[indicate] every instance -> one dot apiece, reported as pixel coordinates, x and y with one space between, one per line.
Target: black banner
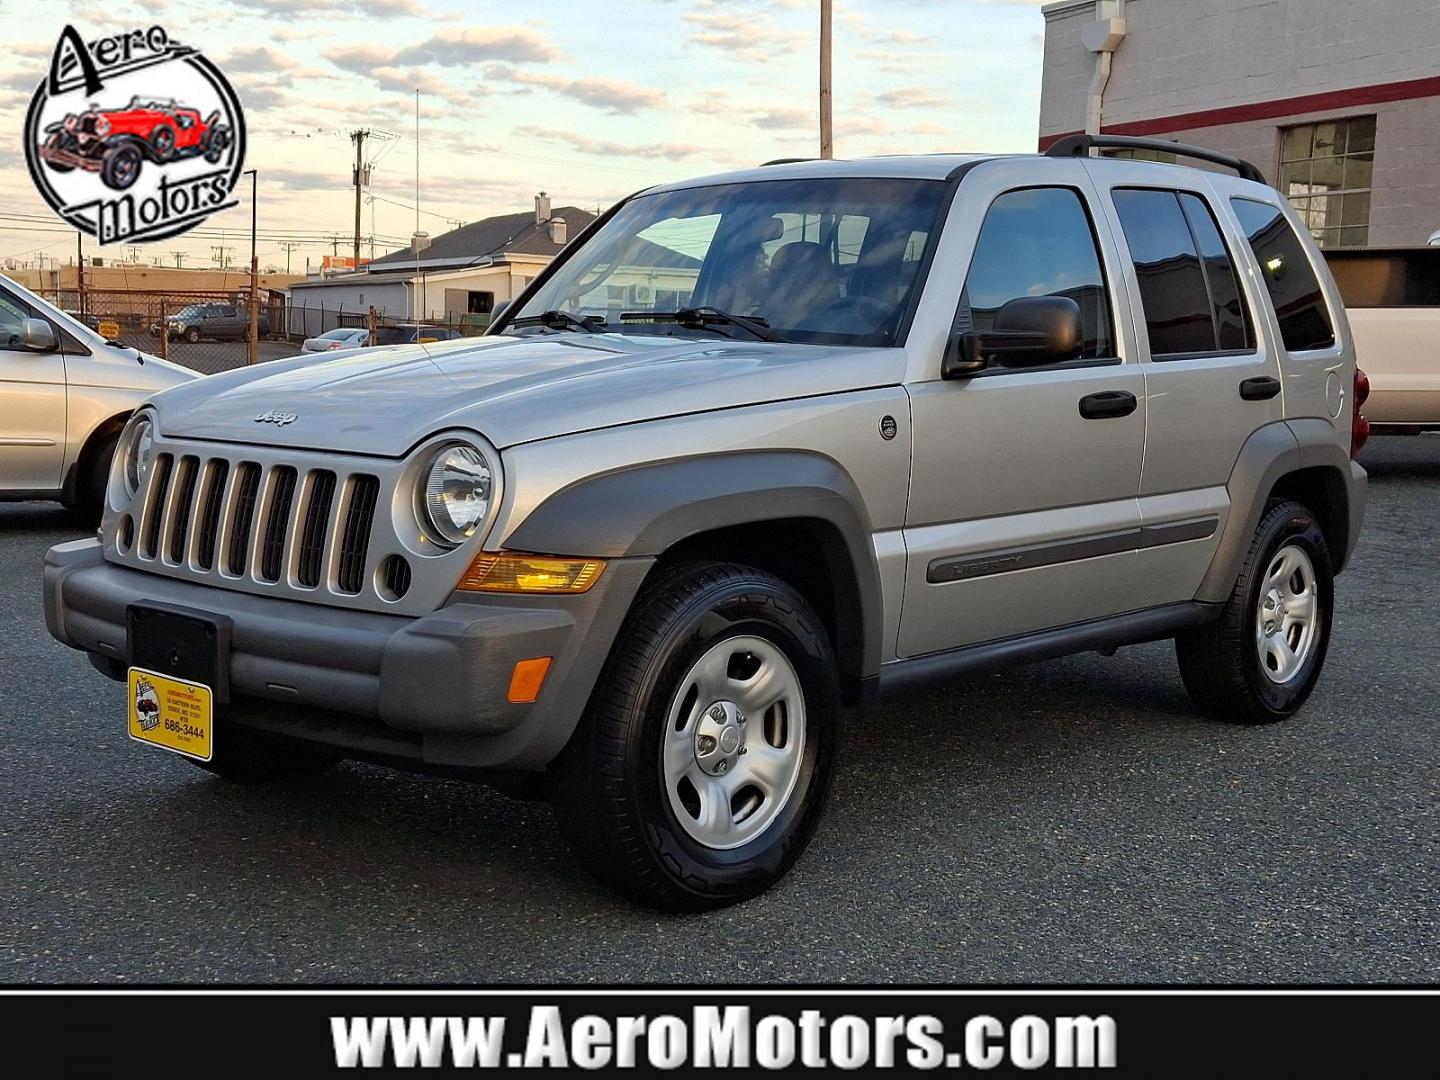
656 1031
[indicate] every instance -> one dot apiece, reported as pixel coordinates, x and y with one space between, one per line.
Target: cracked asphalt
1074 821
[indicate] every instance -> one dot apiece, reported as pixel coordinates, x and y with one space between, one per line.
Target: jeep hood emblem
278 418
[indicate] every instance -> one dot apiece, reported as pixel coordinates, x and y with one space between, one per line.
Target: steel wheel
1287 615
734 742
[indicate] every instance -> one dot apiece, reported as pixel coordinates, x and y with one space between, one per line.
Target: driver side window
1039 242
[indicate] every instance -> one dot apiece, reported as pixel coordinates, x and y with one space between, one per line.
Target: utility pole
827 145
222 255
289 246
179 259
358 137
80 270
254 336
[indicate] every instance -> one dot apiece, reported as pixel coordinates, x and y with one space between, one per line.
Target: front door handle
1107 404
1260 388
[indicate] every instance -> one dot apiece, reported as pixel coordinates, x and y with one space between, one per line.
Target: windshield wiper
699 318
561 320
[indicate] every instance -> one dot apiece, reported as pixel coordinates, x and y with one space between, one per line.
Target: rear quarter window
1289 278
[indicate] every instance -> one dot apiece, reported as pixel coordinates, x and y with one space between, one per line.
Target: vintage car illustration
116 142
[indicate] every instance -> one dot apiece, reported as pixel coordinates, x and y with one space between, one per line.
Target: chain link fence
209 332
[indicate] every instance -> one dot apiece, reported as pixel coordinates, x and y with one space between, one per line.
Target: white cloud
607 148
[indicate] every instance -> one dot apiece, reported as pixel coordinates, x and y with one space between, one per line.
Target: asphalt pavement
1074 821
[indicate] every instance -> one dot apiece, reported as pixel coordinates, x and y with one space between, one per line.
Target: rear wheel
702 763
1261 659
162 142
246 756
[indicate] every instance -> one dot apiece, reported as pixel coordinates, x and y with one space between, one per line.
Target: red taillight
1359 426
337 345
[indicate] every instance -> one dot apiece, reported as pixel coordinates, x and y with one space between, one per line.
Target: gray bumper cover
439 682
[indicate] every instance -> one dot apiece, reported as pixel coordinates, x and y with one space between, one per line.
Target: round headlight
136 453
455 493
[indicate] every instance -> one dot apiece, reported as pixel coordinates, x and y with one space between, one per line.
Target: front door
1023 512
32 420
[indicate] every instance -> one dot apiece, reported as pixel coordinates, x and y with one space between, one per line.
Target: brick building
1338 101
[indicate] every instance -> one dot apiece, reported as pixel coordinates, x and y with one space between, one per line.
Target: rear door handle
1260 388
1107 404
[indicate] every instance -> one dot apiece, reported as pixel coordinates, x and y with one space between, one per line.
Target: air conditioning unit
642 294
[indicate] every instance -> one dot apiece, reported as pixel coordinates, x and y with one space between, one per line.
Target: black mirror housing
1029 331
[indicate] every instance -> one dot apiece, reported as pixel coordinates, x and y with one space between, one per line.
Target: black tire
610 795
93 482
192 335
244 755
1220 663
162 142
120 167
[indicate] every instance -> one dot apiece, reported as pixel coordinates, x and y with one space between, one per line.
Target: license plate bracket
190 645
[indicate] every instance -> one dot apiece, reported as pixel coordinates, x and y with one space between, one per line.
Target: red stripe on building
1352 98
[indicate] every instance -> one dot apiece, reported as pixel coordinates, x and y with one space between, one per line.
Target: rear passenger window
1294 289
1188 288
1039 242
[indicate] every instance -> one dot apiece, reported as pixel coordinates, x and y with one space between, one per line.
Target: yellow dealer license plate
171 713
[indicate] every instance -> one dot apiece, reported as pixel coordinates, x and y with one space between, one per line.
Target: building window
479 303
1326 170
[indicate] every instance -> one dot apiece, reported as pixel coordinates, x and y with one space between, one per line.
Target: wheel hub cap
719 737
1287 619
734 740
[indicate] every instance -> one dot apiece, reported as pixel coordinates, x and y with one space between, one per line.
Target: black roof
518 233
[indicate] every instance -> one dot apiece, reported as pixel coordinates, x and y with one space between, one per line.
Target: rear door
32 420
1211 378
1022 512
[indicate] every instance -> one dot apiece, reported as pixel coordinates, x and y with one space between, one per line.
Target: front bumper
70 159
433 689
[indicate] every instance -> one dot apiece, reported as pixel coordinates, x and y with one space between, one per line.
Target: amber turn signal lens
511 573
527 678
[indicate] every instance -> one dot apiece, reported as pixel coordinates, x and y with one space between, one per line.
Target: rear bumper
437 685
1357 491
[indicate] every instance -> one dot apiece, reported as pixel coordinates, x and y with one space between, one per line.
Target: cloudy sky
586 100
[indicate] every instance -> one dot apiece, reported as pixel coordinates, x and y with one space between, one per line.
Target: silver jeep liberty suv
754 447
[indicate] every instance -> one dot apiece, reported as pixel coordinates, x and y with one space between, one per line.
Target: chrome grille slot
247 489
355 539
212 502
312 534
155 505
277 522
178 519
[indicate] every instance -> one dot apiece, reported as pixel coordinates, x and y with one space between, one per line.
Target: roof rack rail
786 161
1081 145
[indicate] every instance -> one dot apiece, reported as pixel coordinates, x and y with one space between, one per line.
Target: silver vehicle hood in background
510 389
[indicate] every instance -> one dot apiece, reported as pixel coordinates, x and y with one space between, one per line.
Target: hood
509 389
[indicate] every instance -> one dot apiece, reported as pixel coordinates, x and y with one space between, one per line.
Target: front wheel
701 766
1261 659
120 166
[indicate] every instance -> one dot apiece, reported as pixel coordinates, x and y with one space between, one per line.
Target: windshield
338 335
192 309
831 261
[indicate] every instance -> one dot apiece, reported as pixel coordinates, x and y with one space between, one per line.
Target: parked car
116 142
919 418
411 333
346 337
218 322
1392 296
67 394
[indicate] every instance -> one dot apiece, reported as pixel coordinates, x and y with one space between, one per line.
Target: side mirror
38 335
1029 331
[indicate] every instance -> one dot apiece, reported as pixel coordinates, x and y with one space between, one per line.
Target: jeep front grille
274 523
303 525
